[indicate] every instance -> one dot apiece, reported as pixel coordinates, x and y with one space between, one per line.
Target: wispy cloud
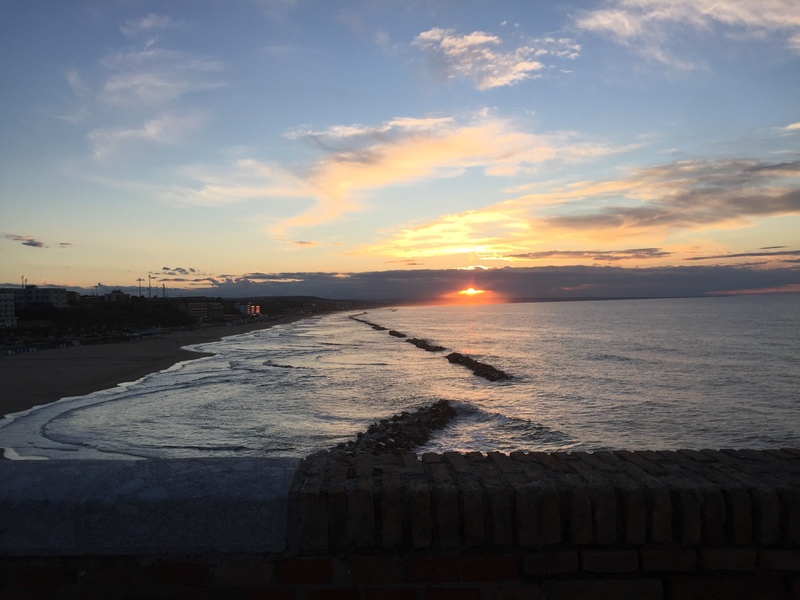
480 57
359 159
25 240
777 254
595 255
166 129
149 24
650 25
157 77
649 203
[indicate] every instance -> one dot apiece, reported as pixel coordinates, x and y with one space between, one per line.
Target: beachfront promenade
643 525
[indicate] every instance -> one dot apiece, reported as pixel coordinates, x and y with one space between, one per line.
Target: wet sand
35 378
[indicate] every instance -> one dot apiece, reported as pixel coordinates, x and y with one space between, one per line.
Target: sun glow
471 292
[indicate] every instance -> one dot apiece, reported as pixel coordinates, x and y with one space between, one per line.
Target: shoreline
36 378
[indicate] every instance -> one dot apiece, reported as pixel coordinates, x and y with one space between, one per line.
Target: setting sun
471 292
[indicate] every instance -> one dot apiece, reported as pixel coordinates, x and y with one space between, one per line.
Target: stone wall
639 525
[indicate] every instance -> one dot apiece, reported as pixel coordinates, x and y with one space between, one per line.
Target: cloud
25 240
472 56
650 25
792 128
595 255
689 194
166 129
174 271
151 22
156 77
478 57
747 255
359 159
648 203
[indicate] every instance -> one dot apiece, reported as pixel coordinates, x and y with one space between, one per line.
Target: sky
401 148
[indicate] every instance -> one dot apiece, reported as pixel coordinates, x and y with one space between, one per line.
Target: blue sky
260 145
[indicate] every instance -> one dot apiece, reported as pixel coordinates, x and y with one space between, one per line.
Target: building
7 315
32 295
249 309
202 310
118 296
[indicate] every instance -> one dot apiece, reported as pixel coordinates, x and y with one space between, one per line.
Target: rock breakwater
399 433
425 345
480 369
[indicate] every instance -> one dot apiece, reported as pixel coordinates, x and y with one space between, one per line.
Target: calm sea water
634 374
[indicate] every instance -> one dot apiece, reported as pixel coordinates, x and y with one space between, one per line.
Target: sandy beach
35 378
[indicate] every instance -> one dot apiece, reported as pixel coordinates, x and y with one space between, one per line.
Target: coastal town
36 318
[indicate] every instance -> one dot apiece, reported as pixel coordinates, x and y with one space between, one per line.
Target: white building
31 294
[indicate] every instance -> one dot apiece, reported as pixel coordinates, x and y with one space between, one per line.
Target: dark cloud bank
572 282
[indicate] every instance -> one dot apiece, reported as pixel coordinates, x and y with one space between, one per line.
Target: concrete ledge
144 507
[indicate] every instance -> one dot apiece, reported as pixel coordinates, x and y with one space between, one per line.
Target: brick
364 518
768 515
180 574
609 561
338 506
526 516
492 567
446 502
580 512
373 569
305 570
550 524
713 508
668 560
604 507
43 578
689 516
551 563
391 594
739 588
391 513
527 592
639 589
333 594
244 572
474 523
779 560
421 517
432 569
452 594
659 501
728 559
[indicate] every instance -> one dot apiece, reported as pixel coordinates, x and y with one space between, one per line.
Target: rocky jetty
480 369
425 345
399 433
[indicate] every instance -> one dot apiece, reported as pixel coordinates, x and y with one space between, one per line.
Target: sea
721 372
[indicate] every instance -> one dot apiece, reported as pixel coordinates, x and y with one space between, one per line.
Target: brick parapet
540 500
528 525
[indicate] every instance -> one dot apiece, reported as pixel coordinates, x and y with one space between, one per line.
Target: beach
35 378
